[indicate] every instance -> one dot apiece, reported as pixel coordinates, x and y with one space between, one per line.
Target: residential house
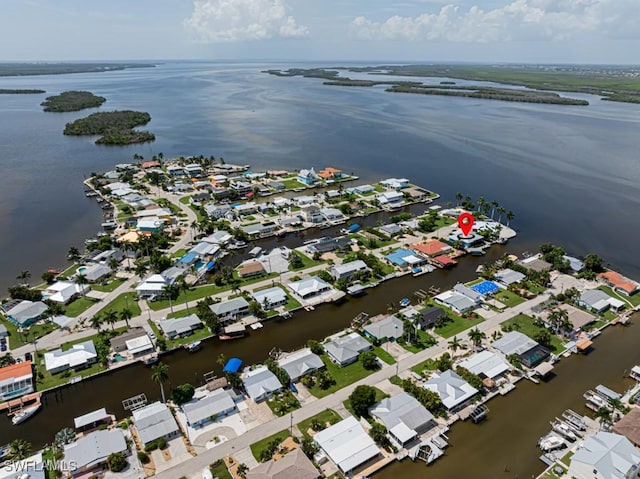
309 288
220 237
92 420
251 268
467 241
205 249
220 193
152 287
293 465
577 317
598 301
619 283
346 270
486 364
24 313
200 197
79 356
246 209
404 259
507 277
629 426
180 327
276 185
119 343
431 248
215 405
63 292
388 328
404 417
304 200
361 189
328 245
92 450
153 422
242 188
443 261
33 467
176 171
392 229
346 349
429 317
332 214
231 309
258 229
150 224
390 199
605 456
395 183
455 393
270 298
95 272
458 302
526 349
347 445
16 380
261 384
307 177
139 346
330 173
217 211
300 364
534 263
193 170
575 264
312 214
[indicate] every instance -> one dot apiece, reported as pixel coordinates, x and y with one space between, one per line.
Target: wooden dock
15 405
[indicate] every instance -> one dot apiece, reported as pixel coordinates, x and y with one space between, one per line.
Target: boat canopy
232 366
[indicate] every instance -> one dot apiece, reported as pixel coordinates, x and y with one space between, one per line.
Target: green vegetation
123 301
35 331
109 287
526 325
219 469
429 365
508 298
18 91
384 355
292 184
258 448
72 101
197 335
634 299
364 397
342 376
283 403
78 306
115 127
456 324
27 69
319 422
298 261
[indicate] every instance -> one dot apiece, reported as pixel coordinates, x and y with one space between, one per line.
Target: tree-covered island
72 101
20 91
115 127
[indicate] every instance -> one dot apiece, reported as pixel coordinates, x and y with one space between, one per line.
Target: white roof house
63 291
486 364
78 356
390 198
30 468
347 444
95 271
309 287
140 345
154 421
26 312
346 270
389 327
219 237
509 276
599 301
179 326
605 456
261 384
346 349
154 285
452 389
403 416
93 449
231 307
300 363
270 298
458 302
217 404
90 418
514 342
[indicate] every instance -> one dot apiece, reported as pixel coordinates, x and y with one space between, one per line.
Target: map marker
465 222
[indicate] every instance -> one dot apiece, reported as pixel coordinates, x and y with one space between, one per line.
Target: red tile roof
618 281
15 370
431 247
150 164
444 261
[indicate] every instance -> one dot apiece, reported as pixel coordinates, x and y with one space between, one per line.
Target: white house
389 327
346 270
95 272
63 291
599 301
605 456
486 365
456 301
92 450
180 327
395 183
346 349
454 392
270 298
300 363
231 308
404 417
217 404
153 286
509 276
390 198
155 421
79 356
261 384
309 288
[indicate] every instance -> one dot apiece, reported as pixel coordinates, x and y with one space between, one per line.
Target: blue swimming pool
486 287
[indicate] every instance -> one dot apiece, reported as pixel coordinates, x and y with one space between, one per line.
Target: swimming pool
486 287
82 269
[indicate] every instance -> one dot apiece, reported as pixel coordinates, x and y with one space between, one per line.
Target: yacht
564 430
193 346
551 443
25 413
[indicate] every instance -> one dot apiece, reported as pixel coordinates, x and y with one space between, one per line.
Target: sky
520 31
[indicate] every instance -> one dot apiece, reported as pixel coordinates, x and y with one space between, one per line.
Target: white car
206 473
152 335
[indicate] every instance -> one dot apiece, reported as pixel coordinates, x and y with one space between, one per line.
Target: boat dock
15 405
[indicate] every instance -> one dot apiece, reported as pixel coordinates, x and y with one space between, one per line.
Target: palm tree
510 216
160 375
480 203
558 318
126 315
111 317
141 269
24 277
113 263
73 254
459 197
184 287
96 322
455 344
476 337
603 415
494 205
19 449
81 280
222 360
169 291
500 211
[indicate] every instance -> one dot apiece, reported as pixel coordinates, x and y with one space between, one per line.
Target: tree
324 379
309 447
64 436
222 360
183 393
6 360
185 288
458 197
170 291
444 362
96 321
379 434
140 269
111 318
510 216
81 280
315 347
455 344
24 277
160 375
19 449
48 277
477 337
494 205
73 254
126 315
543 337
501 211
116 462
295 261
559 320
242 470
369 360
603 415
113 263
593 263
361 399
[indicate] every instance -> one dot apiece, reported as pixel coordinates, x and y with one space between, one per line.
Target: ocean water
570 174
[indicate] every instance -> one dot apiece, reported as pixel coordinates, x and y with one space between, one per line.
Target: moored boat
551 442
25 413
564 430
193 346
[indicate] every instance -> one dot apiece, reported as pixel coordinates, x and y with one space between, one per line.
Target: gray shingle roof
94 448
347 348
389 327
218 402
261 382
402 408
153 422
301 363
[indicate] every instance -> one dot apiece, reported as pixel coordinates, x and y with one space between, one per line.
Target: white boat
25 413
564 430
551 442
574 419
194 346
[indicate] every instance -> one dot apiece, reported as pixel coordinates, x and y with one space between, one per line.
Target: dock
15 405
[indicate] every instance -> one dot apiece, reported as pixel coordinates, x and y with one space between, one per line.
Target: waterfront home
598 301
577 317
404 259
119 343
32 467
79 356
16 380
200 197
346 349
150 224
391 229
534 263
618 283
270 298
242 188
309 288
282 202
388 328
204 249
64 292
304 200
24 313
90 452
217 211
347 445
219 179
486 364
455 393
307 177
261 384
507 277
139 346
152 287
443 261
193 170
330 173
332 214
231 309
605 456
276 185
251 268
575 265
458 302
214 406
246 209
430 316
293 465
629 426
473 239
221 193
92 420
176 171
260 229
150 164
395 183
220 237
432 248
529 352
180 327
153 422
470 293
390 199
94 272
300 363
332 194
104 257
312 214
361 189
329 245
404 417
156 211
346 270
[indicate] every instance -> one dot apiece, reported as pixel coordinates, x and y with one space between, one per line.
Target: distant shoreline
35 69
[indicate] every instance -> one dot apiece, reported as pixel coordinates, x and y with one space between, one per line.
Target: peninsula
30 69
72 101
115 127
20 91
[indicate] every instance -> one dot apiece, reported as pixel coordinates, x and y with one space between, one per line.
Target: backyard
524 324
342 376
326 418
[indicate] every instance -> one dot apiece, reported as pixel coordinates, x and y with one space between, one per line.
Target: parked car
28 357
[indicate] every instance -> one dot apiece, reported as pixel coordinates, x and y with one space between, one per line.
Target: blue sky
536 31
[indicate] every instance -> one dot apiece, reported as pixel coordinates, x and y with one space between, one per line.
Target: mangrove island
115 127
72 101
19 91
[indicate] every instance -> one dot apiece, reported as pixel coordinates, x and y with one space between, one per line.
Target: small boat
404 302
257 325
574 419
148 361
551 443
193 346
25 413
564 430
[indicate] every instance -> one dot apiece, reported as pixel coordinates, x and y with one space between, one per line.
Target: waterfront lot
508 298
342 376
525 325
326 418
122 302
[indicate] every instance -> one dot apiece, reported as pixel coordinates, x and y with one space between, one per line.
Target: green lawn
429 365
526 326
383 354
380 395
291 184
36 331
219 470
508 298
456 326
109 287
198 335
342 376
283 403
633 299
425 340
179 254
328 416
79 306
123 301
261 445
306 262
49 380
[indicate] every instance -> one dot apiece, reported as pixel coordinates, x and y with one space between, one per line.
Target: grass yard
219 469
508 298
342 376
283 403
109 287
79 306
429 365
198 335
122 302
526 326
326 417
261 445
48 380
456 326
291 184
36 331
383 354
306 262
633 299
425 340
380 395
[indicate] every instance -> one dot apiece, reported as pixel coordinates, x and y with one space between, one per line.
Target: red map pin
465 222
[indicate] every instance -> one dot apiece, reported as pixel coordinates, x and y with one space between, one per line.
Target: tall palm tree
500 210
160 375
141 269
73 254
111 317
494 205
559 319
169 292
476 337
96 322
459 197
603 415
222 360
455 344
24 277
510 216
185 288
19 449
480 203
113 263
126 315
81 280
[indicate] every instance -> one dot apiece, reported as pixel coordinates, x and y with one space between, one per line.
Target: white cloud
220 21
517 20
